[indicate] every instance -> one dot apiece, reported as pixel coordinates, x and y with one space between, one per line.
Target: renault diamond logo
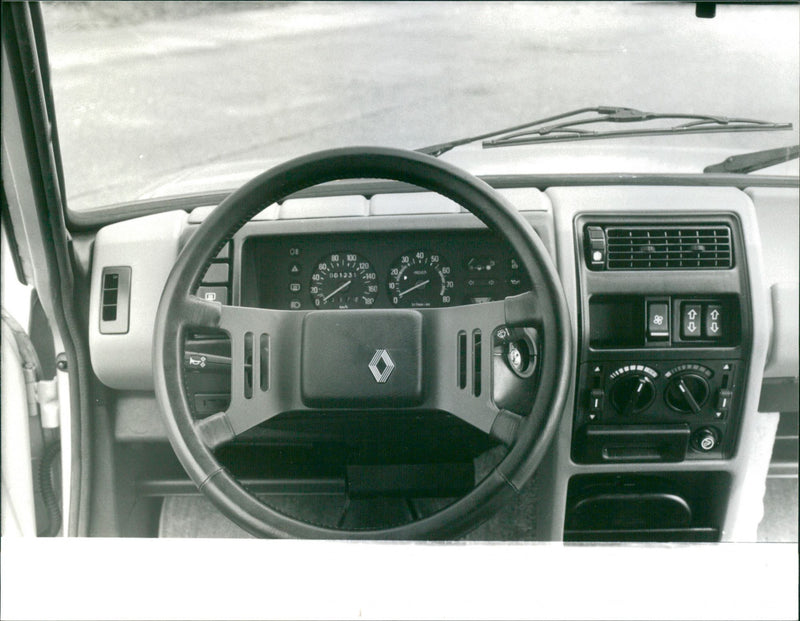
381 357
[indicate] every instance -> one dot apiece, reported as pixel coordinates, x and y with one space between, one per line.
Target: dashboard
671 310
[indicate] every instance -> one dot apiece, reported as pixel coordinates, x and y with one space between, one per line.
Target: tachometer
420 279
343 280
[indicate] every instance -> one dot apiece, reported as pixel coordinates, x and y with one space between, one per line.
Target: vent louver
115 285
669 247
110 295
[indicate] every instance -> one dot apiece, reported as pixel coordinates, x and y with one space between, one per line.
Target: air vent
476 363
110 296
115 299
668 247
462 359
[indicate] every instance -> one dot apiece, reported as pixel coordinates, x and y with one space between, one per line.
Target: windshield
150 92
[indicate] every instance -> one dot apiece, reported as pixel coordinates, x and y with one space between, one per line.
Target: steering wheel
322 359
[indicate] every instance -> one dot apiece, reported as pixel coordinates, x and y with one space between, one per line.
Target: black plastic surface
617 380
410 480
663 506
635 443
632 510
362 358
708 328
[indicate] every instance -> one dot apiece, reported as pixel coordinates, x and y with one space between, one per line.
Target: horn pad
362 358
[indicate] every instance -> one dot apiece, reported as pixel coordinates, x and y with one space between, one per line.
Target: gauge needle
417 286
332 293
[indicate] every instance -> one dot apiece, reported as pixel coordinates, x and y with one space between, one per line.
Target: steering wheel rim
178 310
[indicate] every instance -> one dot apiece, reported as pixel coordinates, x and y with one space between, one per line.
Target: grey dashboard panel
778 212
782 361
199 213
409 204
334 206
402 204
149 247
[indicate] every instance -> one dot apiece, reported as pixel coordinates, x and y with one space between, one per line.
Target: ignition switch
515 358
518 347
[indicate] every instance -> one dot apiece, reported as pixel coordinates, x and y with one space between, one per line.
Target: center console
661 365
666 333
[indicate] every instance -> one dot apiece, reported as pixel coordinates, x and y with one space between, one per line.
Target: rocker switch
690 321
713 321
724 400
658 320
596 247
596 400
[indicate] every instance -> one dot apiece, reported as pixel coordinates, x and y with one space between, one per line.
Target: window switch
658 321
713 321
690 321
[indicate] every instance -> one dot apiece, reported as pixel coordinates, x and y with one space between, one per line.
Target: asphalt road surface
140 102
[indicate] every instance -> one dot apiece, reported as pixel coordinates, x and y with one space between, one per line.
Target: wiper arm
437 149
528 133
748 162
573 130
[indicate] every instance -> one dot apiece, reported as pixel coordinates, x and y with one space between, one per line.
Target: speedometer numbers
343 280
420 279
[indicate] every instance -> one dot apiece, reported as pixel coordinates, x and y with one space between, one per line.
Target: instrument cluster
378 270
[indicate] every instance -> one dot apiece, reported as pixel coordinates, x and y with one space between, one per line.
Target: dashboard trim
95 218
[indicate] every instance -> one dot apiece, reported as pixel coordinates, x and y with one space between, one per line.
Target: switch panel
652 394
706 321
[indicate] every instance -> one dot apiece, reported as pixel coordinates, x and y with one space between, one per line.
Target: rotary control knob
687 392
632 393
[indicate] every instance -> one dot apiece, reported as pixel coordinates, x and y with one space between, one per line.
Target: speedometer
420 279
343 280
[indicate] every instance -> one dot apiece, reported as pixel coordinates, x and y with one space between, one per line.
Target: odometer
343 280
420 279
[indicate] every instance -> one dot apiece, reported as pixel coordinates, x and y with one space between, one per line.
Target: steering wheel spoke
462 342
260 388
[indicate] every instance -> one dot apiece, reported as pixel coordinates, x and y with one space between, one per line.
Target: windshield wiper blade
748 162
437 149
528 133
573 130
